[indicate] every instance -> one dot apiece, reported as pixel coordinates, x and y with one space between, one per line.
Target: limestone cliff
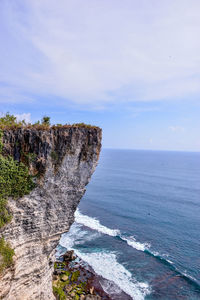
64 160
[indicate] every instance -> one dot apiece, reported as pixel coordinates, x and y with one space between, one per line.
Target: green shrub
46 121
10 121
36 123
5 217
29 158
75 275
6 255
58 291
83 125
15 181
1 144
54 156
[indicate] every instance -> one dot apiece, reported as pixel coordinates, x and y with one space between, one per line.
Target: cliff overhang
62 160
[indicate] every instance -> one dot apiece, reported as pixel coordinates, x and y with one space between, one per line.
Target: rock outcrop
63 159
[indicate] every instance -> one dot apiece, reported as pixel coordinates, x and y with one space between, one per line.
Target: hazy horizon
160 150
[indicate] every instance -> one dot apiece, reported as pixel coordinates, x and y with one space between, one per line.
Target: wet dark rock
92 297
69 256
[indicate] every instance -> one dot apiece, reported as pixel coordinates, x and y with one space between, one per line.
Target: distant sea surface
138 224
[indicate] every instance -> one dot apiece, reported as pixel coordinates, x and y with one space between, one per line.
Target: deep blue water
139 223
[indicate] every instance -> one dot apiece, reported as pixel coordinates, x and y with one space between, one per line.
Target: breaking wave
94 224
106 265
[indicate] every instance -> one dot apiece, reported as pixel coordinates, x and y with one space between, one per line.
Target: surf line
95 224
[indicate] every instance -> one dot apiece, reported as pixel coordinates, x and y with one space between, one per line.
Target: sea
138 224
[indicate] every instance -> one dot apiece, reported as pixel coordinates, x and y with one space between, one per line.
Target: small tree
46 121
8 120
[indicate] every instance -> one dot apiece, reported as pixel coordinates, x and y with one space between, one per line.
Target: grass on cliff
9 121
6 255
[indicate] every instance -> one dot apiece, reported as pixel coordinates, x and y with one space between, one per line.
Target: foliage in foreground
6 255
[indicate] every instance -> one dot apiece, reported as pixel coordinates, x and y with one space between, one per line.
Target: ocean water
138 224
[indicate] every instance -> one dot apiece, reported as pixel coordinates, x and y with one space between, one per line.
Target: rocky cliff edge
62 161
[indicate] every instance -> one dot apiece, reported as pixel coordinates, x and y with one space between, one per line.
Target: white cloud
94 52
25 116
176 128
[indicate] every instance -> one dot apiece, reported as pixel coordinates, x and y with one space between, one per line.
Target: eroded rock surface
64 160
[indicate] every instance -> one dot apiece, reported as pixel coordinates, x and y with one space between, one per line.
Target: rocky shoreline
73 279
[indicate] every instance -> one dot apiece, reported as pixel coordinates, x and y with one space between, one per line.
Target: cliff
62 160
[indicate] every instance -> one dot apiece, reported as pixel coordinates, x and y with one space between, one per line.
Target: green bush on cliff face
6 255
15 181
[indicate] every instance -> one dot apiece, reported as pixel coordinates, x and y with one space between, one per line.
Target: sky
131 67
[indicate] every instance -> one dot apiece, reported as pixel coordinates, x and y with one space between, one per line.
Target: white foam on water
189 276
94 224
106 265
76 236
110 287
169 261
131 241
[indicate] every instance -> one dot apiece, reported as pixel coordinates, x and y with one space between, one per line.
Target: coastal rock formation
63 160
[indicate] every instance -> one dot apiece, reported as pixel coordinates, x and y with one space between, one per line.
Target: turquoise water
138 224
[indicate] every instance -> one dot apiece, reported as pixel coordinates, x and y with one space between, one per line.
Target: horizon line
156 150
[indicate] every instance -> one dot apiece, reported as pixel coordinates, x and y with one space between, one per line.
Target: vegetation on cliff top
9 121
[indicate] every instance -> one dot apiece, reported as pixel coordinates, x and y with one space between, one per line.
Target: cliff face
64 160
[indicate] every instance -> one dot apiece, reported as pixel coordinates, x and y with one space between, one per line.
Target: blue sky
131 67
